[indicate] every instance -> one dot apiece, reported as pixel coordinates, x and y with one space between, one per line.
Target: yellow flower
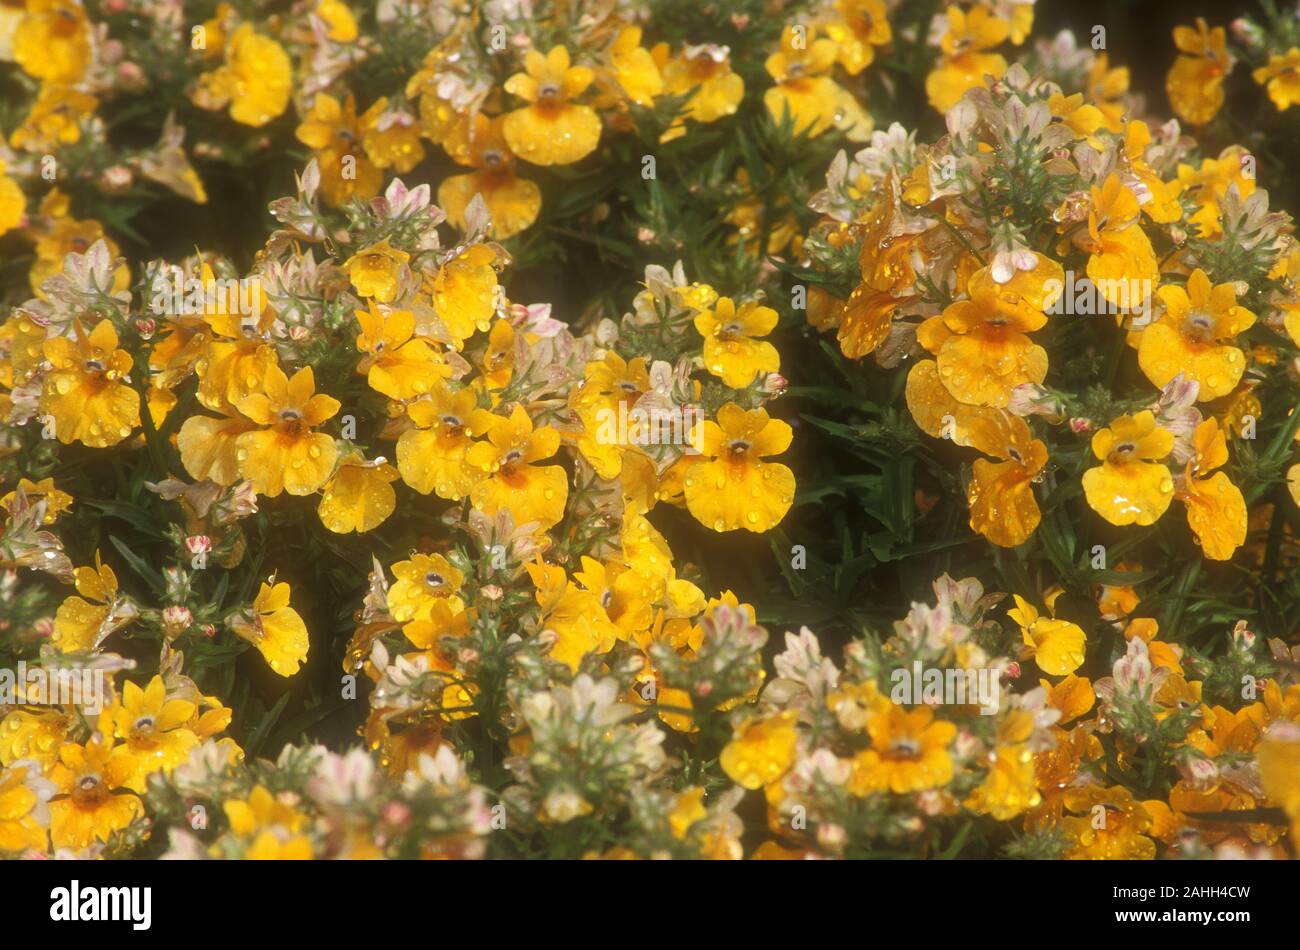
1216 509
431 458
56 502
13 203
572 615
704 72
52 42
1190 337
733 488
1195 81
84 393
275 629
1130 486
1056 645
465 292
209 446
64 236
634 69
376 271
610 390
731 351
332 129
360 496
272 828
908 753
1159 199
987 353
860 26
54 119
1001 494
396 362
531 493
1210 183
688 808
1106 87
91 804
1122 264
155 729
1112 825
424 582
1279 770
1008 788
338 17
391 137
1072 697
804 88
762 750
22 811
286 455
512 202
255 79
964 64
551 129
1282 76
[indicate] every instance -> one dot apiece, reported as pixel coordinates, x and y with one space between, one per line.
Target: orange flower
1216 509
1001 495
909 753
987 353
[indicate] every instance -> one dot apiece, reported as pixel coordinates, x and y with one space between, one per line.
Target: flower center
906 749
1199 327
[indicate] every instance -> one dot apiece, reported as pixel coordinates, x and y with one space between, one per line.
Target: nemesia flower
908 753
1130 486
964 63
803 88
92 801
733 488
1195 336
1195 81
1281 75
512 202
285 454
255 80
531 493
1055 645
551 129
86 394
1216 509
730 350
275 628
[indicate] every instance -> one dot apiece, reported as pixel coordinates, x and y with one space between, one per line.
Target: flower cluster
443 510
